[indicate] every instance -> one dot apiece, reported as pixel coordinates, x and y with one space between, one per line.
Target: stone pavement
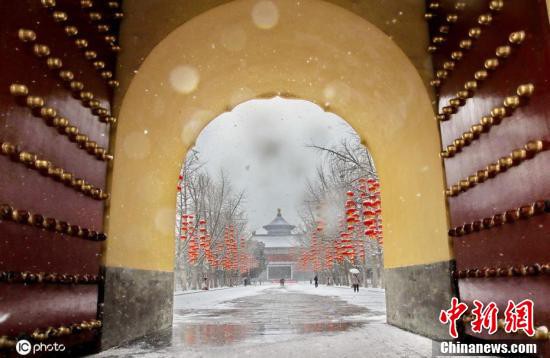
270 321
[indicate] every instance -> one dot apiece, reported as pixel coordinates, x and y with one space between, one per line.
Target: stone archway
251 49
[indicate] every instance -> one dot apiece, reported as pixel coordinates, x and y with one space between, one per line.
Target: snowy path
268 321
371 298
215 298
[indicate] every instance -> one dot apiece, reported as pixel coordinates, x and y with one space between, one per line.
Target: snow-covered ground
265 321
371 298
215 298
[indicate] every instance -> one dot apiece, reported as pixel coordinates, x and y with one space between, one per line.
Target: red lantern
350 219
368 222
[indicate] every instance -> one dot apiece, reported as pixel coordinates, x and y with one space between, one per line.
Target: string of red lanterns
361 220
225 255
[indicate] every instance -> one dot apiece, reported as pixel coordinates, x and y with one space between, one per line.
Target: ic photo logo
24 347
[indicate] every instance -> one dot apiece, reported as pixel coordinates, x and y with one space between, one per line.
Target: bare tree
342 166
215 201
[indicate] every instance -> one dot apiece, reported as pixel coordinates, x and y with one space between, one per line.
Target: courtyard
297 320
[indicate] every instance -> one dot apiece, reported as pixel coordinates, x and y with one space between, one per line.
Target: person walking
316 279
204 285
355 282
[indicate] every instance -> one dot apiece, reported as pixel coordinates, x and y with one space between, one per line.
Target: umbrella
354 270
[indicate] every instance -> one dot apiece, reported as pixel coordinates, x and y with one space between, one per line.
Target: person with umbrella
355 279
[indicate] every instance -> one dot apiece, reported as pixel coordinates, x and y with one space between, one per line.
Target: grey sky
261 146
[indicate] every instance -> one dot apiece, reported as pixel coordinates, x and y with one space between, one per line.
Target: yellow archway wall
248 49
147 23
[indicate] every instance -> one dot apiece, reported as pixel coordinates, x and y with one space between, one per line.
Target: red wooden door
56 61
492 74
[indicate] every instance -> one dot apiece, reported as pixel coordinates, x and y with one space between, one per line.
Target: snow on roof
279 226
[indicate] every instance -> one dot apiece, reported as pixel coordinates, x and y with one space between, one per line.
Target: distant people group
355 281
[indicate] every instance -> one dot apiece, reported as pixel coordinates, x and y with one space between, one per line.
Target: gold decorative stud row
97 16
112 5
471 86
449 19
38 107
68 77
434 6
50 224
509 271
82 43
88 4
85 5
459 6
46 168
47 277
51 332
466 44
530 150
496 116
94 16
501 52
508 217
443 29
474 33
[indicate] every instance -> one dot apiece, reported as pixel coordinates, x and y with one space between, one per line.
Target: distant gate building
281 250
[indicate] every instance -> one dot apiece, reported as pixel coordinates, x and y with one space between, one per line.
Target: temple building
281 247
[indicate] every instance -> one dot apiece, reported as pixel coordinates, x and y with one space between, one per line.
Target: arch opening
276 198
264 157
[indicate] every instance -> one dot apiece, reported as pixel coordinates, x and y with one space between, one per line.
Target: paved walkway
269 321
